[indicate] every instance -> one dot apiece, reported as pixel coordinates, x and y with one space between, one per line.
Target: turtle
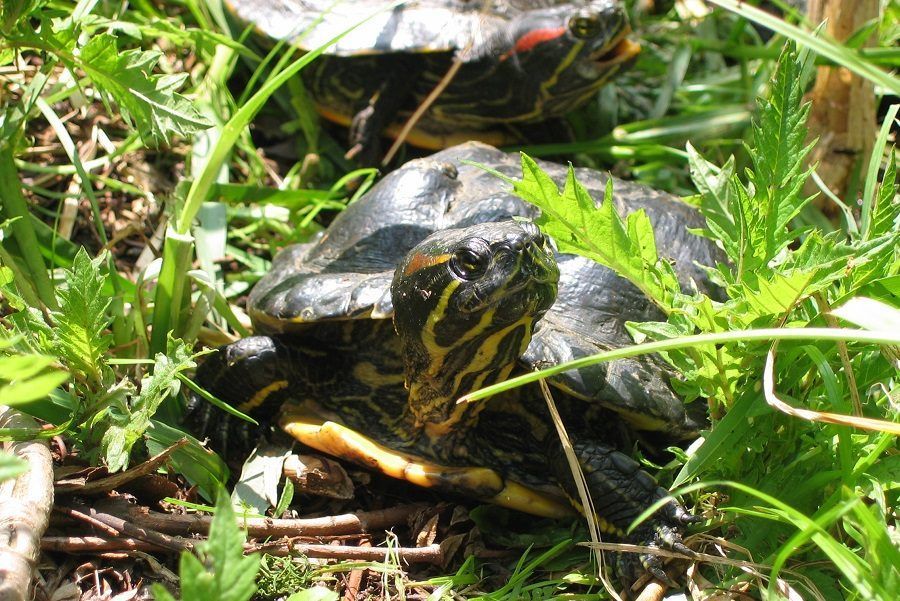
436 283
521 62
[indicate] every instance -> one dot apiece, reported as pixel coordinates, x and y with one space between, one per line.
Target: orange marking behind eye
532 39
421 261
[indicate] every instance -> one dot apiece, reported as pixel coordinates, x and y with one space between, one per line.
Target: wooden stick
350 523
430 554
355 577
25 504
176 543
117 480
95 544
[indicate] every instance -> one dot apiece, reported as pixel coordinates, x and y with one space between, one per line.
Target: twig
654 591
117 480
355 577
94 544
424 106
25 504
78 515
430 554
350 523
149 535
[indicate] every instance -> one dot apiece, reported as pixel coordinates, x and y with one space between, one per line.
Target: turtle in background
521 62
435 284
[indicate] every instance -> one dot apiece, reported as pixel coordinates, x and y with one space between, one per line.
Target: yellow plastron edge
483 483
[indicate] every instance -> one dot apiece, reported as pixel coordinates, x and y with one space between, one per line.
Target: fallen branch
95 544
654 591
430 554
355 578
124 527
350 523
117 480
25 504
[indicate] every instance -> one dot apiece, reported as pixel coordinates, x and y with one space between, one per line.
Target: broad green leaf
225 573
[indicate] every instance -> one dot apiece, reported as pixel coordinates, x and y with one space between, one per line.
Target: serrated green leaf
772 295
598 233
225 573
873 259
886 213
149 100
716 200
12 12
82 319
129 424
778 152
11 466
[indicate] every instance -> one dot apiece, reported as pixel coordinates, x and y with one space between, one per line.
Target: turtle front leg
368 124
620 492
252 375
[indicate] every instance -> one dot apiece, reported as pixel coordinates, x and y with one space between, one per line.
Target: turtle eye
468 264
585 27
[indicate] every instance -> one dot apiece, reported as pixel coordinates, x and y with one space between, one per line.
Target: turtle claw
680 547
654 567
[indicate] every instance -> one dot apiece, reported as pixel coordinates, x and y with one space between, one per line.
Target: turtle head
572 48
465 304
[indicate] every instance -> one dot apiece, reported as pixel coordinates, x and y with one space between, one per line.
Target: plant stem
14 206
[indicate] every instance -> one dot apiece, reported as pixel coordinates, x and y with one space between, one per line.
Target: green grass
98 342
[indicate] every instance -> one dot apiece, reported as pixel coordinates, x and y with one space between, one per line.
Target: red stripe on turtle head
533 38
421 261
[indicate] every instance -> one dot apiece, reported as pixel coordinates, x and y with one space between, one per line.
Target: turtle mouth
620 50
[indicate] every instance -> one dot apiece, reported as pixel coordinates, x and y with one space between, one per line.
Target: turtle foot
620 492
247 375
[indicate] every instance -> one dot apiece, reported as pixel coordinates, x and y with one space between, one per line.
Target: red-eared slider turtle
440 246
523 61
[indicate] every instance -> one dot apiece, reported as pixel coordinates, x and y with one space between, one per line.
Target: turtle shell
416 26
520 61
346 273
